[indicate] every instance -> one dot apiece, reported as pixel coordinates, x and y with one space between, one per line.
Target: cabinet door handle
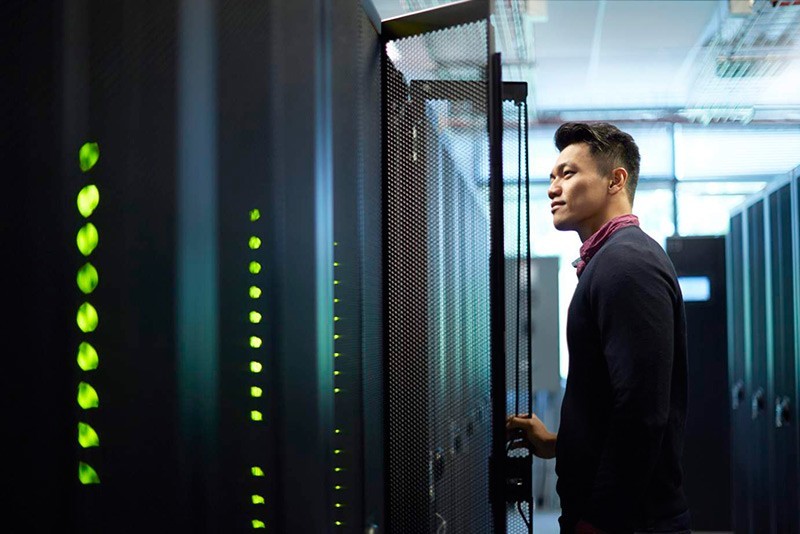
757 403
737 394
783 412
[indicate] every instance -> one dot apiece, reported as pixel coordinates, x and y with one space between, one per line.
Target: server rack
763 304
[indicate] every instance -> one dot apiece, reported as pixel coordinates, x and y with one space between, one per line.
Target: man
619 446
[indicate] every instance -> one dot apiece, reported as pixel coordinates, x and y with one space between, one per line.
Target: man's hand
541 440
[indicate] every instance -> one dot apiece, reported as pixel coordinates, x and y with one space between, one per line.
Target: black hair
610 146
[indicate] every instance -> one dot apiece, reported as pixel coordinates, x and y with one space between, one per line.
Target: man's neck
590 229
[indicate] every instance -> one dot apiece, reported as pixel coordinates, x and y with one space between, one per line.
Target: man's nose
553 191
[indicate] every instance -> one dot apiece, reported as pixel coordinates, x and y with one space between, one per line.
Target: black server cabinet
700 265
739 408
763 321
781 408
756 356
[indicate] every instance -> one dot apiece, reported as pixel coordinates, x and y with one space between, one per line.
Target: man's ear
619 178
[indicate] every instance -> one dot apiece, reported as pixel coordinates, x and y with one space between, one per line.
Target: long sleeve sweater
620 439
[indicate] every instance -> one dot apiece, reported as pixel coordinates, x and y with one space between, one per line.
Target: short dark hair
611 147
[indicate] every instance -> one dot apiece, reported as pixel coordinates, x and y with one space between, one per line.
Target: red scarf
598 239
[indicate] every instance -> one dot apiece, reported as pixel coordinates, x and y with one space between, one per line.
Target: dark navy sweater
620 439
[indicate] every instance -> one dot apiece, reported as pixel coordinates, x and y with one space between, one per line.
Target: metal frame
437 18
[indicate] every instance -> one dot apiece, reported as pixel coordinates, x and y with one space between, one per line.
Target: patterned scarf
593 244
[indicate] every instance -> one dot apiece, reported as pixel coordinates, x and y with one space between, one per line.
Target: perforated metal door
438 317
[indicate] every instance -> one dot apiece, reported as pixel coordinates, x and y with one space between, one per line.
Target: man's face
578 191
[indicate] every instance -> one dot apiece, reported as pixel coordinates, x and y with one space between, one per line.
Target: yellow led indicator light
338 488
88 156
335 301
336 282
255 415
87 318
255 342
256 367
258 524
258 499
337 354
254 317
255 292
337 431
254 243
336 336
87 239
338 469
255 267
86 474
338 505
335 318
256 471
337 373
87 278
339 523
255 215
337 451
336 264
87 437
256 391
87 396
87 357
88 199
337 390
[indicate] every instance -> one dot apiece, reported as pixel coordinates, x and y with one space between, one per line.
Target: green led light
255 415
337 390
335 301
256 471
338 523
255 215
337 354
336 282
87 357
255 367
255 267
337 451
87 278
87 239
87 437
337 431
254 243
255 292
88 199
338 469
87 396
337 373
255 317
88 156
258 524
87 318
336 264
335 318
335 244
87 475
338 488
255 391
338 505
255 342
257 499
336 336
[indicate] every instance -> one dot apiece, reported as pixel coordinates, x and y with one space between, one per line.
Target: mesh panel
438 282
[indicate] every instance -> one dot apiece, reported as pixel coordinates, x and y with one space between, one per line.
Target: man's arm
633 302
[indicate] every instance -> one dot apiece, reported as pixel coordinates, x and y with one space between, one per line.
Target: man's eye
568 173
